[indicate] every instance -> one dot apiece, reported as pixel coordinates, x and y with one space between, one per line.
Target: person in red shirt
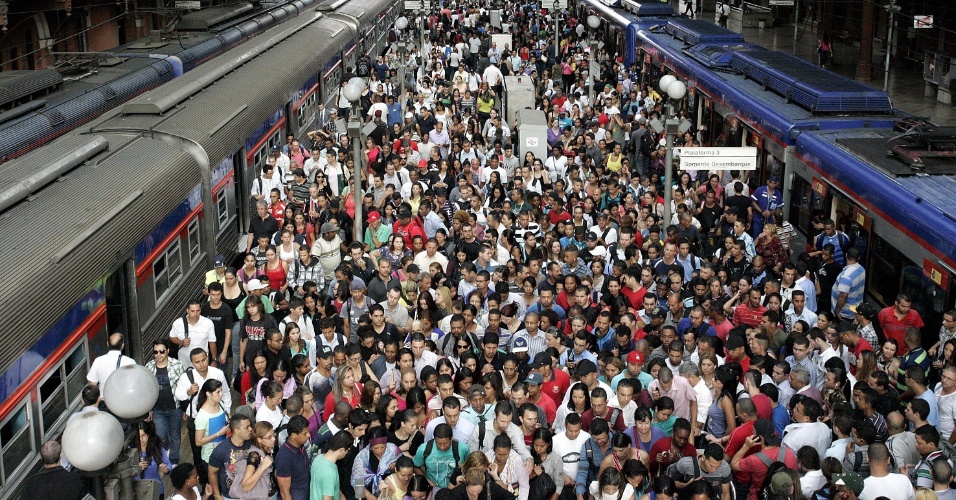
669 450
555 382
749 313
558 213
736 351
632 289
535 382
408 227
857 344
895 319
747 412
768 443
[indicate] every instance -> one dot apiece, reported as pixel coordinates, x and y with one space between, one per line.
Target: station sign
744 158
188 4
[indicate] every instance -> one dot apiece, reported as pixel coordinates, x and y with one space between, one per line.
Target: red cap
635 357
603 119
374 216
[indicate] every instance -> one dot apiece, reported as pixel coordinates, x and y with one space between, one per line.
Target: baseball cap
535 378
520 345
324 352
254 285
851 480
592 237
540 359
636 357
774 178
476 390
374 216
219 261
328 227
781 482
598 251
585 367
658 312
357 284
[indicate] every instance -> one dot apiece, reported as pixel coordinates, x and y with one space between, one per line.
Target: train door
119 291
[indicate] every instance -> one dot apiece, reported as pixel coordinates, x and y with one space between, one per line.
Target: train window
222 209
193 240
16 441
53 403
75 369
167 270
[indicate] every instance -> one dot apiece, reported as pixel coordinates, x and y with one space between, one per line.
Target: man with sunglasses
166 415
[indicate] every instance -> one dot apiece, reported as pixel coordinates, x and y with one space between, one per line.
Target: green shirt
325 479
440 464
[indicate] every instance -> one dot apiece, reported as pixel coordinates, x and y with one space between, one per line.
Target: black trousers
201 466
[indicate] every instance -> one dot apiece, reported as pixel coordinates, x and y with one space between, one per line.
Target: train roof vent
20 87
714 56
649 9
211 17
807 85
695 31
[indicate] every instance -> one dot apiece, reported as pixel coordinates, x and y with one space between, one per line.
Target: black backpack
647 143
772 468
363 67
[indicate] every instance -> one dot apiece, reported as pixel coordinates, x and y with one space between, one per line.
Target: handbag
542 486
258 492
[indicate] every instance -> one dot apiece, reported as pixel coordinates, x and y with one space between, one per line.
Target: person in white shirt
104 366
842 426
423 358
451 414
567 445
811 478
189 383
946 402
806 429
194 330
705 398
881 482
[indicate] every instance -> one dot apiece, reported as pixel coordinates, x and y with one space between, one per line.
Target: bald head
895 422
116 342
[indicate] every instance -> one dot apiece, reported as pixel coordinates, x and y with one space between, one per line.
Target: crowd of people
513 327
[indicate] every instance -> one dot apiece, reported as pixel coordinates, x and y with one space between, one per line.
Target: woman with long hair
644 434
211 422
418 402
770 247
249 269
612 485
310 410
258 479
397 484
153 460
281 373
372 463
371 395
408 381
346 388
386 409
405 433
232 290
721 416
494 388
579 402
251 378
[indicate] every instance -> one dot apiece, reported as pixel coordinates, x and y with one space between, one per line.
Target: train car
893 194
621 22
39 106
115 230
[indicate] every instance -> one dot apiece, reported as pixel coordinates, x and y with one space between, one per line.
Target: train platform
906 82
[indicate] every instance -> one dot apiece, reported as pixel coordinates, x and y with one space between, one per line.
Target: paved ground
906 83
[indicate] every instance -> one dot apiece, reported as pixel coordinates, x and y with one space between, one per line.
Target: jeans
235 351
169 427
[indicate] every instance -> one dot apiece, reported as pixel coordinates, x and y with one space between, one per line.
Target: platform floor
906 85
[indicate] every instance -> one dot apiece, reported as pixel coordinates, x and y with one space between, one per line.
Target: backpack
772 468
260 490
363 66
592 467
429 446
647 144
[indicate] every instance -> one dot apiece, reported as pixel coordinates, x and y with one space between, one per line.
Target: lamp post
675 91
353 93
557 35
594 22
93 442
400 25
